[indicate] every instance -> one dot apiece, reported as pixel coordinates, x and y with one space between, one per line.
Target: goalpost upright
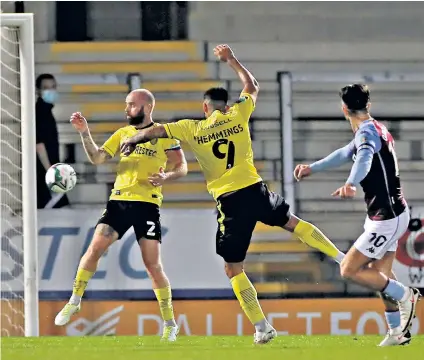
25 24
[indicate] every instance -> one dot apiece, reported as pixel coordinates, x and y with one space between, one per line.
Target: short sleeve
245 105
181 130
39 132
367 139
39 126
112 145
172 144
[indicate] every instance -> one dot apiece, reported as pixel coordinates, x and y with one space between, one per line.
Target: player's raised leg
150 250
104 236
314 237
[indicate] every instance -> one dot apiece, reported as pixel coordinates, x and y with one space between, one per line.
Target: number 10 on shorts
377 240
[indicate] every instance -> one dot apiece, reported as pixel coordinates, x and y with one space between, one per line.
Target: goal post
24 26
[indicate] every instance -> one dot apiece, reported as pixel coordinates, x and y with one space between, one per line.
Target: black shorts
238 213
143 216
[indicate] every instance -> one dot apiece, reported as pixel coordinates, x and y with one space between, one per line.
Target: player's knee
347 271
96 249
233 269
154 269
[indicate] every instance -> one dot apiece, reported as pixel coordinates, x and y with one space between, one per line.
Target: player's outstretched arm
250 84
143 136
94 154
335 159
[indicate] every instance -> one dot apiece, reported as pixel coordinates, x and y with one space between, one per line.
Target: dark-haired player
223 148
134 202
369 261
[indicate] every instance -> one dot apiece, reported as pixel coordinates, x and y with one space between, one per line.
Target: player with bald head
134 202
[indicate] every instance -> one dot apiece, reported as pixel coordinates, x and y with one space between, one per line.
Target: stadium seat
189 48
278 289
279 247
198 68
99 108
162 86
298 271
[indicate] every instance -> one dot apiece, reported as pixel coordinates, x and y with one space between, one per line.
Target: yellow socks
248 298
164 297
80 283
314 237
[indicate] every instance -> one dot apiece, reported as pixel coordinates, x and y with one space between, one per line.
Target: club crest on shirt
242 99
153 141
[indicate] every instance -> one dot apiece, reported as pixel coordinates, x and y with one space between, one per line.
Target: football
61 178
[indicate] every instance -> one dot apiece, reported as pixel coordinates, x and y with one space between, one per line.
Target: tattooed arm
94 153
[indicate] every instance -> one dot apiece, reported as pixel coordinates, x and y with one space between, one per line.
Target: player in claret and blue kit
369 262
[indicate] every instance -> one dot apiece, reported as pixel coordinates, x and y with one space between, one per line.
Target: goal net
19 284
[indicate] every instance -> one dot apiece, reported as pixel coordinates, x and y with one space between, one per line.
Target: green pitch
206 348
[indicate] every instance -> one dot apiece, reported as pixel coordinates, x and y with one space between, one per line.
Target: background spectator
47 140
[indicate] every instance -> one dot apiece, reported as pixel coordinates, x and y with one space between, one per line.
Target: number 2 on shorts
151 231
231 151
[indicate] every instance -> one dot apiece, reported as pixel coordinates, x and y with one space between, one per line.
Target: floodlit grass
206 348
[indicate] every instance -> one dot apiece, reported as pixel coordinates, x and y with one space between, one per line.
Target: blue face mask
50 96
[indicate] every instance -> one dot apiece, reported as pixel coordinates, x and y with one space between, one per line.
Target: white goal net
19 288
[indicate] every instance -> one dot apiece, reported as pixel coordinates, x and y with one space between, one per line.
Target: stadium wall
188 251
64 235
222 317
306 21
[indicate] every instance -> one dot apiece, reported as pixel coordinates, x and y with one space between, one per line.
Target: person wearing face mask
47 139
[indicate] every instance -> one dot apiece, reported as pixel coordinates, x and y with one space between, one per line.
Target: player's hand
128 147
223 52
158 179
301 171
345 192
79 122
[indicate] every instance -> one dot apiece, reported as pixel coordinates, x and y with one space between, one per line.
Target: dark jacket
47 134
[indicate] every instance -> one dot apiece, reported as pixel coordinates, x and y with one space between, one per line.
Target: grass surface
206 348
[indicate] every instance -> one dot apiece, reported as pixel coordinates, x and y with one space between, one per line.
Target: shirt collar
363 123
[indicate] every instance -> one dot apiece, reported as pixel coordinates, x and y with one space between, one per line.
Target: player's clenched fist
159 178
79 122
127 147
223 52
301 171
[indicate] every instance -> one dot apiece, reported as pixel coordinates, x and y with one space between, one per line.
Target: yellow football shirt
131 182
222 146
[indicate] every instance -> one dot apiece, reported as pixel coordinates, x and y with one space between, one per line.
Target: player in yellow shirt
223 148
134 202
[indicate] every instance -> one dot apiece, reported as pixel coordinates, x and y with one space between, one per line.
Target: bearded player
223 148
134 202
369 262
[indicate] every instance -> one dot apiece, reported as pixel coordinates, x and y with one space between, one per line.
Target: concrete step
338 206
310 189
314 149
